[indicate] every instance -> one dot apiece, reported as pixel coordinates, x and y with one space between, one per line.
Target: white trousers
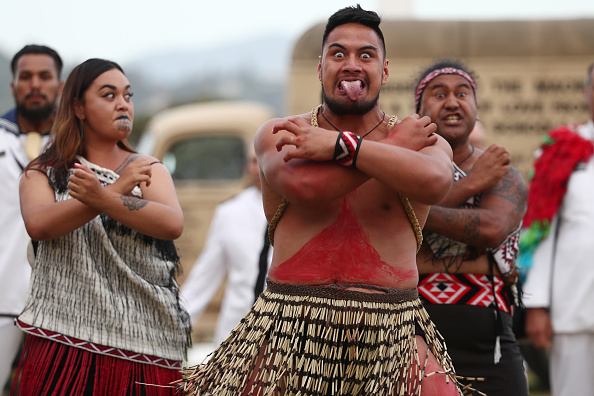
572 364
10 340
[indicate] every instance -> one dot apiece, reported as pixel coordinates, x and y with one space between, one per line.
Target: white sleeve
537 289
208 272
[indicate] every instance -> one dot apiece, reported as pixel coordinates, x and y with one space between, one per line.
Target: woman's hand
137 172
85 186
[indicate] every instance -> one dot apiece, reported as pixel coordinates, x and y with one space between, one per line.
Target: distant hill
265 56
255 69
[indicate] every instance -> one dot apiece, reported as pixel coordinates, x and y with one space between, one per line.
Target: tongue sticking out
352 89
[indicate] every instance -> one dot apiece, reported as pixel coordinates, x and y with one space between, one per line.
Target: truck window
206 158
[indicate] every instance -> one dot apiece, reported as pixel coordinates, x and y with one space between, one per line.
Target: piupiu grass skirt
322 340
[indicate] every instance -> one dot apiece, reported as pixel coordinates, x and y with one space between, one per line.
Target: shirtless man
341 305
471 240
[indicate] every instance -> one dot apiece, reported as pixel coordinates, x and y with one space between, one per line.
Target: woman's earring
82 130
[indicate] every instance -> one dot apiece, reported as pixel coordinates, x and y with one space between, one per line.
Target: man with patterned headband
467 261
346 190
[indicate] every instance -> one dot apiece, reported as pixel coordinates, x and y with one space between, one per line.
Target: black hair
355 14
37 49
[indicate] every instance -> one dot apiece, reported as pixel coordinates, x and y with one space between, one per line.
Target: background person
467 262
35 86
557 241
102 314
232 250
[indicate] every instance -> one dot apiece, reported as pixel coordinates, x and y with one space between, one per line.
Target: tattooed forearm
513 189
500 211
471 228
133 203
461 225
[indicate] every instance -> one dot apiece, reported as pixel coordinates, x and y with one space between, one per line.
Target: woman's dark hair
65 137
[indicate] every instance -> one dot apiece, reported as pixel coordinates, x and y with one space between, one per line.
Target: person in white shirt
36 86
232 249
559 288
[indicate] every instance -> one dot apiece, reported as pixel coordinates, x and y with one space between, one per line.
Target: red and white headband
438 72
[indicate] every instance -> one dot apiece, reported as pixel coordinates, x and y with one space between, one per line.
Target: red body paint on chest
341 253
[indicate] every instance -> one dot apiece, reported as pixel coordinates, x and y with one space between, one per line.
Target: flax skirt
322 340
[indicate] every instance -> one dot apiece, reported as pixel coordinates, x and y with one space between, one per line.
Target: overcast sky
124 30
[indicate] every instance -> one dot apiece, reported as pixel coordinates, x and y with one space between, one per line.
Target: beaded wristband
347 148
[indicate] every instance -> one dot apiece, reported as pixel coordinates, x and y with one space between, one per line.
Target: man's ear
320 68
385 73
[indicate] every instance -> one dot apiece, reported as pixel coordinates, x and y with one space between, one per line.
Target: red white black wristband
347 148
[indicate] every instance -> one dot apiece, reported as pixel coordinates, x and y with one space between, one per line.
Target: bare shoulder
265 130
35 172
34 183
151 160
158 169
444 146
127 157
